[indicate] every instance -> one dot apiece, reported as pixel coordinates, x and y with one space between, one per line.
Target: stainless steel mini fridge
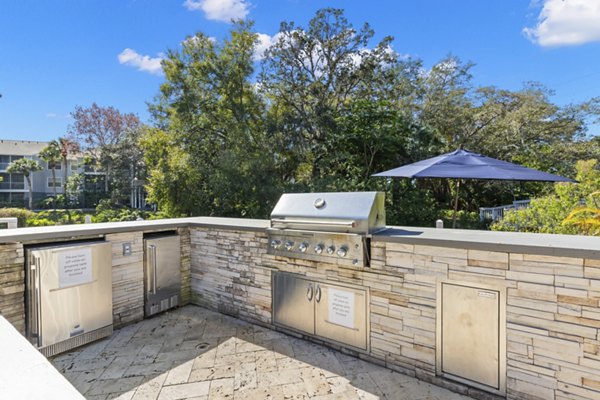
162 276
68 295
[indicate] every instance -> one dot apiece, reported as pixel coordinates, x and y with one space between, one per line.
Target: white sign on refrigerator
74 267
341 307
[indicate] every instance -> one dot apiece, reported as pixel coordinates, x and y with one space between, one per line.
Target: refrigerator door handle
149 270
35 308
153 249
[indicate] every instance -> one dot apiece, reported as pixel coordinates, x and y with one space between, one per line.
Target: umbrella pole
455 204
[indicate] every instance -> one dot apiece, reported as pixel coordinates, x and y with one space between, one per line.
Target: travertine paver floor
193 353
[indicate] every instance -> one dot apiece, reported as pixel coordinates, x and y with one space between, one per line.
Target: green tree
101 131
67 147
211 155
548 214
26 167
310 74
51 154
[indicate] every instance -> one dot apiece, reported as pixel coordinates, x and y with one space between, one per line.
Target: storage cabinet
333 312
471 339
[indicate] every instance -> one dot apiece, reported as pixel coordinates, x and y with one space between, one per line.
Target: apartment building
13 187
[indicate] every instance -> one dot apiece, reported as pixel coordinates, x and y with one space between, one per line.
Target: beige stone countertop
535 243
62 232
515 242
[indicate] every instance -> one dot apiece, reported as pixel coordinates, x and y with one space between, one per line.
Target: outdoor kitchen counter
543 244
514 242
88 230
549 285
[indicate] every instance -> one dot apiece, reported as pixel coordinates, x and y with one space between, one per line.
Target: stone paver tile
92 364
205 360
349 394
291 363
114 385
150 390
338 384
261 393
235 359
131 350
265 361
303 347
179 373
85 380
93 350
124 335
327 361
275 378
365 386
314 381
117 368
207 374
177 355
283 348
295 391
221 389
245 377
97 397
184 391
226 346
153 369
148 354
243 346
121 396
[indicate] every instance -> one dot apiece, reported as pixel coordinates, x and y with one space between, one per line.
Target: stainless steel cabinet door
340 314
470 340
163 263
293 302
72 293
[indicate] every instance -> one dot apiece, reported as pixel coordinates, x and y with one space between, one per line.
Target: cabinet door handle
309 291
153 247
318 294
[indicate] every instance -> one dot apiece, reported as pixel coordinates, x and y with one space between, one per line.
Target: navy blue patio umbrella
463 164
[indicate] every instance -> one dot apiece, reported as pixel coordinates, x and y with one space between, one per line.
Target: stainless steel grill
326 227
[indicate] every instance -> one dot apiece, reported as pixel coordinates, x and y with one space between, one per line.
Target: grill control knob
303 246
319 248
289 245
275 244
342 251
331 249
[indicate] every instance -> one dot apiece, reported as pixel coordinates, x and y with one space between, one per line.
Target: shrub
21 214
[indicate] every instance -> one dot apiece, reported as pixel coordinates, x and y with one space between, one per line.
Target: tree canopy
326 107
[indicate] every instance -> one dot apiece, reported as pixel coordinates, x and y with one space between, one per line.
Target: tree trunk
65 180
30 191
54 187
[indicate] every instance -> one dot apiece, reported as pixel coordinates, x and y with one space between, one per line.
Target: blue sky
55 55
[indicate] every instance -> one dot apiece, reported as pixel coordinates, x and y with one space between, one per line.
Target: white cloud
264 42
144 63
219 10
566 23
51 115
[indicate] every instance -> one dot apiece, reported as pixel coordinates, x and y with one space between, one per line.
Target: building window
17 181
4 162
74 166
56 165
54 182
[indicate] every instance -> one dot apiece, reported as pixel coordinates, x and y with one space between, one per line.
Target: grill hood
348 212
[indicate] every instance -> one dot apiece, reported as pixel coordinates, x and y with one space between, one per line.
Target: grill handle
350 224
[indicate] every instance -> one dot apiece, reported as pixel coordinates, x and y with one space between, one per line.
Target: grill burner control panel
336 248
